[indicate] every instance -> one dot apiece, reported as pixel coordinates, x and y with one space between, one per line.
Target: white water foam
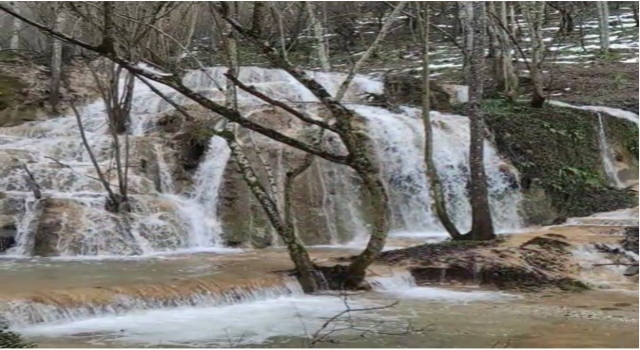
402 285
227 326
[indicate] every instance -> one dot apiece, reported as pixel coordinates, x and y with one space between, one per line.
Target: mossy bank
558 154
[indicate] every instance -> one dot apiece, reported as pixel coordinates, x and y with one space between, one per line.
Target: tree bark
534 15
435 188
14 43
318 32
285 230
56 57
503 70
466 16
603 16
481 221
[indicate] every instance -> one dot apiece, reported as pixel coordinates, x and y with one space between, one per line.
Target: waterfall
21 313
164 220
399 141
26 227
607 154
166 180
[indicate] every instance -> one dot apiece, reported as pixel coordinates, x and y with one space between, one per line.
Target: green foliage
9 88
557 148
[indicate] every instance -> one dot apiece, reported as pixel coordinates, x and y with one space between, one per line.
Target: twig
253 91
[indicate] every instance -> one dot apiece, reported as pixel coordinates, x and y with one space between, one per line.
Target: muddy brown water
596 318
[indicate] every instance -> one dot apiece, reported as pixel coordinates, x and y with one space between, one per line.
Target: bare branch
374 46
253 91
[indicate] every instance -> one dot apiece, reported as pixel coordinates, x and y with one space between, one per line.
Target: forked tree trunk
435 188
481 221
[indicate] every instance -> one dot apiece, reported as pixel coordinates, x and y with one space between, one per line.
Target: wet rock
541 262
630 240
631 271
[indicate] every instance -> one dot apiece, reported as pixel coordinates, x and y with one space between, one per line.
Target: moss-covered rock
557 153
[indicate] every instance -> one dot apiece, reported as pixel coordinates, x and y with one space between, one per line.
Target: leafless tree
436 191
481 221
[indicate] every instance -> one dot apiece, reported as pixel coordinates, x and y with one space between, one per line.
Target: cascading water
403 285
23 313
165 220
607 154
26 227
399 141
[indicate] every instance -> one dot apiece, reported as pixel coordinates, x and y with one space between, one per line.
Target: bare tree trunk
318 32
512 20
603 16
14 43
503 70
534 14
481 222
435 187
466 16
56 57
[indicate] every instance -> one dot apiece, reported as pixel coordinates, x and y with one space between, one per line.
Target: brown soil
611 84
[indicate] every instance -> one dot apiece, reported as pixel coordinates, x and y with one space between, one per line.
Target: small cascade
68 307
622 217
166 180
607 154
599 271
26 227
402 285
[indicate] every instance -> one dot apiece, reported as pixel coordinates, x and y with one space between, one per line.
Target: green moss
624 133
557 148
9 88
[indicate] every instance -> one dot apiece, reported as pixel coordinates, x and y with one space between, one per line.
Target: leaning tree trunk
284 228
435 188
534 15
481 222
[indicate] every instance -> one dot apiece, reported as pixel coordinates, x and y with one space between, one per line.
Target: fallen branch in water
32 183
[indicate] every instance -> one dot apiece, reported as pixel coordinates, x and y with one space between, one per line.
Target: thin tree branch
253 91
